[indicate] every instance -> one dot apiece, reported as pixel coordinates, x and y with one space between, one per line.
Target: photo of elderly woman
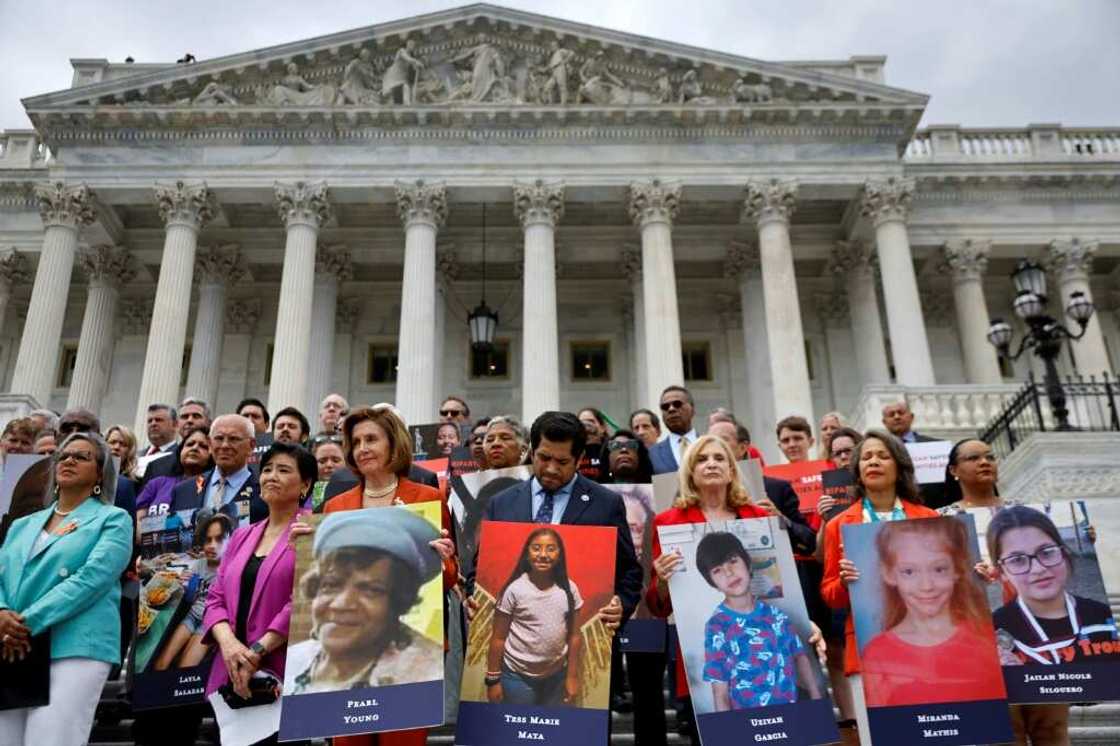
934 641
1047 617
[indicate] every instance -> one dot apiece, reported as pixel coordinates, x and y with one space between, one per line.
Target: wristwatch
259 649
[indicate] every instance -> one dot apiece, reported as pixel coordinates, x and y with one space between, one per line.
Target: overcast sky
985 63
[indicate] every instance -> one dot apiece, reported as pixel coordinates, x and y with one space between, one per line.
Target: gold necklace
380 493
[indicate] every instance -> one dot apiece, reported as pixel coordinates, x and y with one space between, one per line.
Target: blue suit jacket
661 455
187 496
72 584
602 508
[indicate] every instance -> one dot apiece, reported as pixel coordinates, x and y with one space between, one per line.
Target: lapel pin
585 498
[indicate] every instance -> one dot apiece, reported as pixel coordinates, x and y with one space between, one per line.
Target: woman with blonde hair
122 442
830 423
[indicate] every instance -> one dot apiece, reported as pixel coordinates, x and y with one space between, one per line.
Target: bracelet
492 678
259 649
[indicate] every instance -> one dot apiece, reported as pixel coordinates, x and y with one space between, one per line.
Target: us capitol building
324 215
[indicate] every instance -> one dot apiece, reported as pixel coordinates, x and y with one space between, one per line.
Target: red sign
805 477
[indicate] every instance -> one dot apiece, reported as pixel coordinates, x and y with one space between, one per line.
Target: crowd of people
66 558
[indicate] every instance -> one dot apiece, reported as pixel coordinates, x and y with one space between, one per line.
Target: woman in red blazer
886 490
378 449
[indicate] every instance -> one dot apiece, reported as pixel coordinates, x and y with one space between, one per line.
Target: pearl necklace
378 494
63 512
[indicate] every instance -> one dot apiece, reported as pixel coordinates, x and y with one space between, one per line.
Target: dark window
66 366
591 361
382 365
186 366
697 359
1005 368
492 364
268 350
809 360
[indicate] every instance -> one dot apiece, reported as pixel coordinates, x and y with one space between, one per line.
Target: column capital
654 201
630 261
421 202
13 268
852 257
185 203
966 258
1071 258
538 202
333 262
937 305
106 265
220 264
242 316
68 205
135 316
887 199
832 308
770 200
346 314
303 203
742 259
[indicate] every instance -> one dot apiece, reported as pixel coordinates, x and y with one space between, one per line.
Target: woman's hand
764 503
494 693
611 614
825 504
816 639
667 564
12 627
241 663
443 545
298 529
848 572
988 573
571 689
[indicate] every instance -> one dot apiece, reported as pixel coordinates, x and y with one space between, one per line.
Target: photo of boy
752 656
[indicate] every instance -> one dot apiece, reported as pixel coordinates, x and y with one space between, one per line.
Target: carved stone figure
744 93
691 92
599 85
663 87
488 73
399 83
359 81
558 67
294 90
215 94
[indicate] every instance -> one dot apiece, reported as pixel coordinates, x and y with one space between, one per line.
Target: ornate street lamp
483 321
1044 333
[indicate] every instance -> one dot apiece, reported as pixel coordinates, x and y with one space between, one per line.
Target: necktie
544 513
219 495
152 451
684 447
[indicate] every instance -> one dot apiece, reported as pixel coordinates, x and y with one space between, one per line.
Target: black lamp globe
1029 304
999 334
1029 277
483 322
1079 308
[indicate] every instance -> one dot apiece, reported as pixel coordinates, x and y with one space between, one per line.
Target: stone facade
696 215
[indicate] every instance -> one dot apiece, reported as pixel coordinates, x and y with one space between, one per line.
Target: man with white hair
44 419
332 410
230 487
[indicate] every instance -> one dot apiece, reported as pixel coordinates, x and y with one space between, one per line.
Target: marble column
65 208
770 205
887 204
423 211
744 265
1070 260
303 207
332 266
653 207
185 209
632 270
347 314
967 261
107 268
217 267
13 271
539 206
855 260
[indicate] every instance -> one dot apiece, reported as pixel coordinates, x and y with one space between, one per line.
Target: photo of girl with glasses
1045 623
535 644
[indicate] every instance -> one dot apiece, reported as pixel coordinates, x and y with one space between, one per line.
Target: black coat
188 495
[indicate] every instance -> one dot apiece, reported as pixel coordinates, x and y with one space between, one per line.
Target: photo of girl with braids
534 652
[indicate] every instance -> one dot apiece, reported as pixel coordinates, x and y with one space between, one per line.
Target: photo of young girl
935 642
534 643
1044 621
752 656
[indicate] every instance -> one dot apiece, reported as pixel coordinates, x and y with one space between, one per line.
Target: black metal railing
1092 401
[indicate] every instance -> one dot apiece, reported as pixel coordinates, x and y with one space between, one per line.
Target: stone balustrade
22 149
1036 143
950 412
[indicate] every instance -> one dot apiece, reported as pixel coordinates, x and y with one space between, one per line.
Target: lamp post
1045 334
483 321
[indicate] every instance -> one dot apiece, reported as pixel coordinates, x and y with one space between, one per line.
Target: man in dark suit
898 419
677 410
558 494
230 487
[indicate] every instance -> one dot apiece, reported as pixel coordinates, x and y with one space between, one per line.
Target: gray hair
519 430
198 402
105 464
345 404
48 416
244 422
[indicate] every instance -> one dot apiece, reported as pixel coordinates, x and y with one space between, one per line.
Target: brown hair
128 460
400 443
21 426
795 423
967 604
905 484
688 496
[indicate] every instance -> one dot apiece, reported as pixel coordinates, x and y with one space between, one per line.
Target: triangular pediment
474 58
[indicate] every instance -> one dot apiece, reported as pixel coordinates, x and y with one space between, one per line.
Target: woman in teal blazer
60 571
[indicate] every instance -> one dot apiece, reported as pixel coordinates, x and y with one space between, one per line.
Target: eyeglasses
77 456
320 439
230 439
672 404
843 452
451 413
991 458
1050 555
68 428
622 445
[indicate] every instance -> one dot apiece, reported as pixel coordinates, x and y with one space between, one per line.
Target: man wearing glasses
230 487
677 412
454 410
332 411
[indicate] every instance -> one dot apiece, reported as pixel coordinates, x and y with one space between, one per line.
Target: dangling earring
97 489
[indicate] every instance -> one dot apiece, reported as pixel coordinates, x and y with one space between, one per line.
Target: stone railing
1036 143
22 150
950 412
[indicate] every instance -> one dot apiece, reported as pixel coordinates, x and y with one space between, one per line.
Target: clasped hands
14 636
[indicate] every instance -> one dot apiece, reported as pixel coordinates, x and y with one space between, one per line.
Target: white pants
76 685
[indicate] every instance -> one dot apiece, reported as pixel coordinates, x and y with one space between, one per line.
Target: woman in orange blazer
886 490
378 449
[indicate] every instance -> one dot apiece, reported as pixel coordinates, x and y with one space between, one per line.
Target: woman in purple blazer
250 601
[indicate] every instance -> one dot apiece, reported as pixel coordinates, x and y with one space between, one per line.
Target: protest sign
804 477
840 486
930 459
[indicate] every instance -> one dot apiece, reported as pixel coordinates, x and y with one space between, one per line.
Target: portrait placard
642 632
365 646
470 494
23 487
744 631
435 440
927 649
538 662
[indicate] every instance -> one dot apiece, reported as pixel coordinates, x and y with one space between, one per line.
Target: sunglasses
673 404
320 439
451 413
622 445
